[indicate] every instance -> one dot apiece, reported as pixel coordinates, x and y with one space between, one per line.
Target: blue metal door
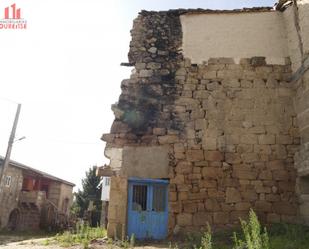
147 208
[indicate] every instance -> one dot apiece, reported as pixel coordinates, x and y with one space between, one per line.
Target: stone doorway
14 220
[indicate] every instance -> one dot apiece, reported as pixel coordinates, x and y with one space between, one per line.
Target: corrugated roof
36 171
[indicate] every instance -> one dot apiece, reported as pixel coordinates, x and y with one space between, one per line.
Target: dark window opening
139 198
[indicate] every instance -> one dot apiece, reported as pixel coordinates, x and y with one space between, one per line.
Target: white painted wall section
235 35
303 8
292 38
106 183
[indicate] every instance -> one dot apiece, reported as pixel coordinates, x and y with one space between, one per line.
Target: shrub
254 238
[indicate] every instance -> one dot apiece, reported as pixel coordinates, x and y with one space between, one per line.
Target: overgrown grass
252 236
82 234
289 236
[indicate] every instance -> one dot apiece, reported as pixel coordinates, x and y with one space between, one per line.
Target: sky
65 71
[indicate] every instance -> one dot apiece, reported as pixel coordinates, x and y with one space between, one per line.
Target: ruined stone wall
230 130
144 113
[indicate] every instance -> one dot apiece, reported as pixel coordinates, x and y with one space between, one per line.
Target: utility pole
10 145
7 161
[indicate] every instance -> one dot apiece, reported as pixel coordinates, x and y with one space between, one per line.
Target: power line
9 100
63 141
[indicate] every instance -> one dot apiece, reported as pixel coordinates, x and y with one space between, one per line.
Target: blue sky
65 70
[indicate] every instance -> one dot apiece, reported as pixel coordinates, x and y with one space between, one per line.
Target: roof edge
177 12
43 174
282 5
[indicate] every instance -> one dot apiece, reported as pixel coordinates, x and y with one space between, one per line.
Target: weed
171 246
194 238
45 242
254 238
125 243
85 244
132 240
206 240
82 234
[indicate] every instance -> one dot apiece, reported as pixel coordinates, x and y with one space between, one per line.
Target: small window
159 198
107 181
139 198
8 180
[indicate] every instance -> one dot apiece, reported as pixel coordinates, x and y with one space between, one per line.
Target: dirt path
41 244
29 244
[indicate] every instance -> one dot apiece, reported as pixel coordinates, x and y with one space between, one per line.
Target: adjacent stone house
213 121
31 198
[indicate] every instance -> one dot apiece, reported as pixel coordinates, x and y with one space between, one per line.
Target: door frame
148 181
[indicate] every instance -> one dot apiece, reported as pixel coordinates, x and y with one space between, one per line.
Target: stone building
215 115
31 198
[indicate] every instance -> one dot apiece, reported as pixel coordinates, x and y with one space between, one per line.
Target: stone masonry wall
302 97
9 195
297 23
117 209
54 193
230 128
302 108
65 198
238 144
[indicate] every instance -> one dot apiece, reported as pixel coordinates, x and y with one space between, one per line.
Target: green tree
89 192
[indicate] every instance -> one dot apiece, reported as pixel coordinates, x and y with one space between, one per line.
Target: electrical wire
9 100
64 141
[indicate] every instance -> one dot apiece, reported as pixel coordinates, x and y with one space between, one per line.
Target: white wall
292 39
234 35
303 8
105 188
